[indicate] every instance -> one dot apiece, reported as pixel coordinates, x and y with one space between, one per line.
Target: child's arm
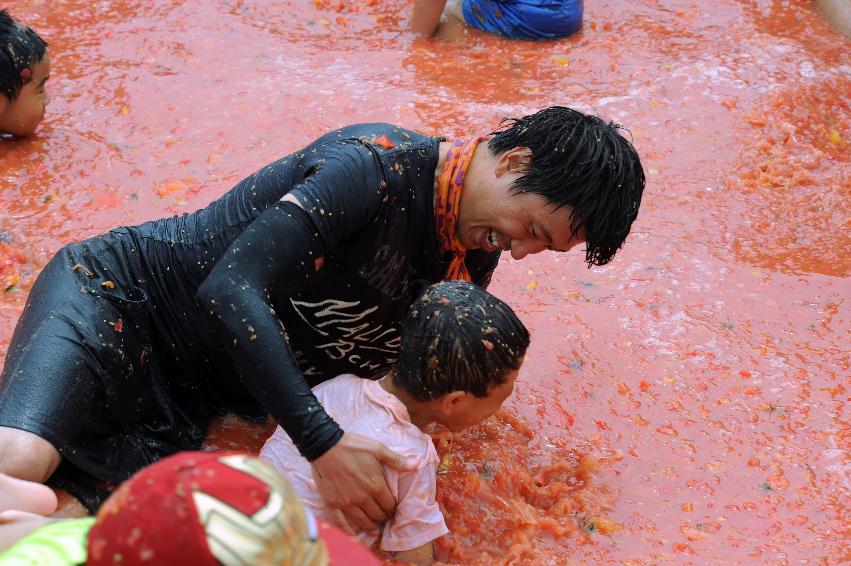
420 556
410 534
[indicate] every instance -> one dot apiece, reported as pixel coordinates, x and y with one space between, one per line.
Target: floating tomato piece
85 269
605 526
384 141
10 254
691 533
667 430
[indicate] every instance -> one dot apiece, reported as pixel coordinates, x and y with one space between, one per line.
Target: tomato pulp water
686 403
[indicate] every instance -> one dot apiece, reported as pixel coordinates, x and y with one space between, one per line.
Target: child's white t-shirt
362 407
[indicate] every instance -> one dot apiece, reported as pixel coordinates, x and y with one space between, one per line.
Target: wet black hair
20 48
580 161
458 337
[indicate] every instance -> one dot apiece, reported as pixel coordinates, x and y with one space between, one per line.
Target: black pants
84 371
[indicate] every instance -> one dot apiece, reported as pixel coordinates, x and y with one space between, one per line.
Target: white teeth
492 239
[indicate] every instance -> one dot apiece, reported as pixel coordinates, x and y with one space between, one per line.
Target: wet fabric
447 204
59 543
362 406
525 19
84 372
115 363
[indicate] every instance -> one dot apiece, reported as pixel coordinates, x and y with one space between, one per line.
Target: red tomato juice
686 404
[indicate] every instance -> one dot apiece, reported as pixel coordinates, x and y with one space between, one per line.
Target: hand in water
351 481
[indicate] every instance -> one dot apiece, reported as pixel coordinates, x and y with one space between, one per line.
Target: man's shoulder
381 134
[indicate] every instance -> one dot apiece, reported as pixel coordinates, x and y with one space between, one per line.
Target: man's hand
351 481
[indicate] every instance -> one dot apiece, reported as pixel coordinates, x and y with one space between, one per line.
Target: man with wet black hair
131 341
580 162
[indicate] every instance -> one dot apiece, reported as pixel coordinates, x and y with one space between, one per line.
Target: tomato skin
10 261
384 141
507 503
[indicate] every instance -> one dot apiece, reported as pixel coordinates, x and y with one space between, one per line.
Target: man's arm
236 296
426 16
277 256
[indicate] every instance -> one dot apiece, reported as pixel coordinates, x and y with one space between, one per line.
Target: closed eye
535 236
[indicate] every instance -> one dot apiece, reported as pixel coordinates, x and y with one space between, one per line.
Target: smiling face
21 116
492 218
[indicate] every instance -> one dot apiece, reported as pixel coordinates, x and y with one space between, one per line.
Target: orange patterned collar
448 203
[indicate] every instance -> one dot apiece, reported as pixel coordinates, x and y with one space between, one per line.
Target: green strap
60 543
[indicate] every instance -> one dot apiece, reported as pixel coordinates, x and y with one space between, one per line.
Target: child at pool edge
461 349
24 70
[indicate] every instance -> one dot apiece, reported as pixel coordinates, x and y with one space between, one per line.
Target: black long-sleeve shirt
257 299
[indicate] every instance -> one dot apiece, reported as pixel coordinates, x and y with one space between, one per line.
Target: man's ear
452 401
513 160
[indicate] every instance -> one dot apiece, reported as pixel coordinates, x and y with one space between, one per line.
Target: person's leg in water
26 462
451 27
48 388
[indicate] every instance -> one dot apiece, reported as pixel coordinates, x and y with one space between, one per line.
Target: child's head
461 349
24 70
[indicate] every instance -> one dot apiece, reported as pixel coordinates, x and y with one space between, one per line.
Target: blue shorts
525 19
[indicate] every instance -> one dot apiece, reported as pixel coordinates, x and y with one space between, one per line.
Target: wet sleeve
418 519
274 258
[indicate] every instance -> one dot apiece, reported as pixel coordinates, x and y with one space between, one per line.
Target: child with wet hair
24 70
461 350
